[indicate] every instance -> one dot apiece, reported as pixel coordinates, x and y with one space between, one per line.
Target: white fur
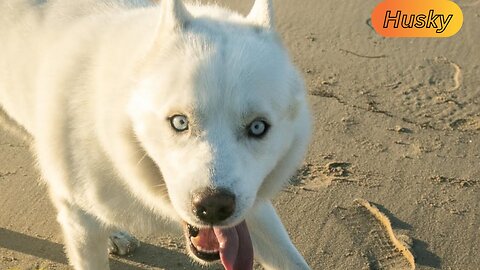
94 82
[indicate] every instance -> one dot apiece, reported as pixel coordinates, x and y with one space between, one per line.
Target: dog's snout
213 205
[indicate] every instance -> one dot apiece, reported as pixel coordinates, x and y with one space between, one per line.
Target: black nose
213 205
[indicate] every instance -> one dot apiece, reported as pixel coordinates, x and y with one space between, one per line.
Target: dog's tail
9 124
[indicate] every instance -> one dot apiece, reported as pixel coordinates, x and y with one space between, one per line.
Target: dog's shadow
146 257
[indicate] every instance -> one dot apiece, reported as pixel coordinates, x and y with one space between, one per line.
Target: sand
397 123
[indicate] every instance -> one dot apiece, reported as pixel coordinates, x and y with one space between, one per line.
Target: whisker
142 158
163 188
163 194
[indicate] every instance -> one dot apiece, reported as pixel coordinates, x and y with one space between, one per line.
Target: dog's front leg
84 237
272 245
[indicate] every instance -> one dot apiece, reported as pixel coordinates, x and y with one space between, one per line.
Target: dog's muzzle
231 245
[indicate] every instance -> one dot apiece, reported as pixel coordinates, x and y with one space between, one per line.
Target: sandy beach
397 123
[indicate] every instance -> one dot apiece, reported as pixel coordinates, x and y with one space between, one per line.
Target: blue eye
179 122
258 129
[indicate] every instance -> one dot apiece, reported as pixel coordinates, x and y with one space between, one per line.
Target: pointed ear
173 14
262 14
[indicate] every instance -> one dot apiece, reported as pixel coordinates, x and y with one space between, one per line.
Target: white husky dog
158 116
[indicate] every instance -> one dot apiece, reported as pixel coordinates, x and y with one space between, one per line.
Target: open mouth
203 243
232 246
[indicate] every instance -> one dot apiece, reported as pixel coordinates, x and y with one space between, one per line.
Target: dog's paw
122 243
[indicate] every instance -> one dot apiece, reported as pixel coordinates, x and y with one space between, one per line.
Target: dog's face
217 119
216 111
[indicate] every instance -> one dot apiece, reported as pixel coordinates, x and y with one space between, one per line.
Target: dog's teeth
206 251
199 248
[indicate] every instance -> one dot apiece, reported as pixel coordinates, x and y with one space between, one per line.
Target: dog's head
221 111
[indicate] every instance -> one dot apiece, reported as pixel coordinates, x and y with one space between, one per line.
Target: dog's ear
173 14
262 14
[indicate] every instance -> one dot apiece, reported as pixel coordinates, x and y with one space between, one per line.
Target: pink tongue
236 250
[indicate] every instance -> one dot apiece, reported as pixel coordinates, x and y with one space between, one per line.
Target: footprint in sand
373 234
314 176
432 95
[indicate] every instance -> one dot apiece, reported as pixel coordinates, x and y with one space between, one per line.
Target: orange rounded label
417 18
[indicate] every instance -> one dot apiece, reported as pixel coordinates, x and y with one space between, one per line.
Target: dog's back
29 30
19 23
